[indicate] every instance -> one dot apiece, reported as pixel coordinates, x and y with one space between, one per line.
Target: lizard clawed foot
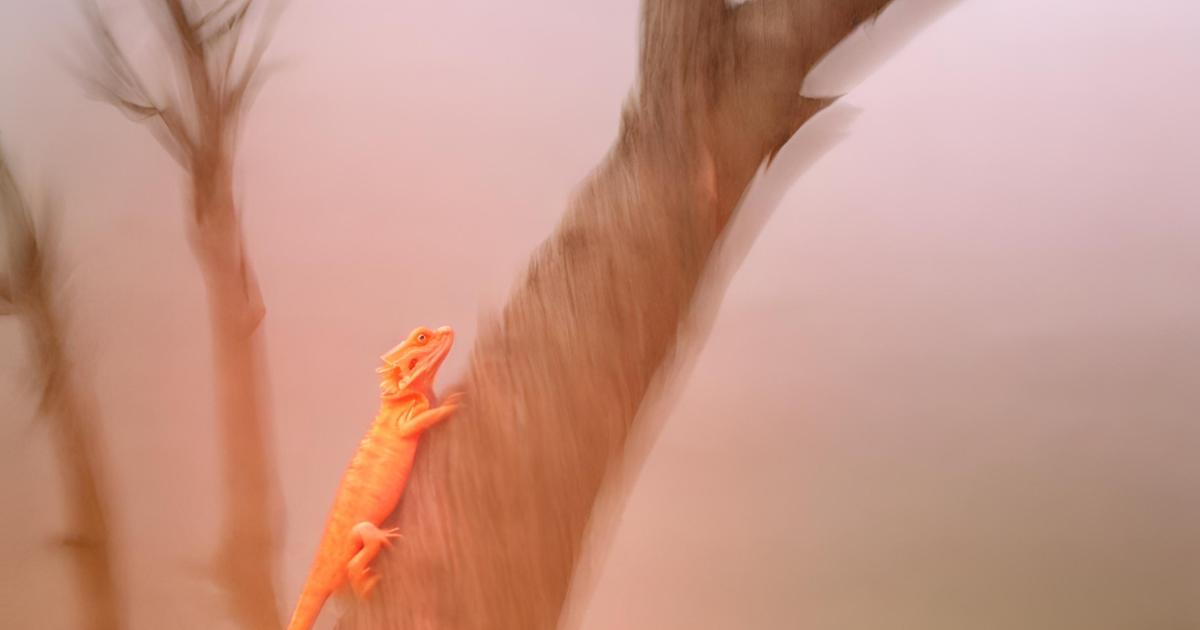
362 578
373 537
388 536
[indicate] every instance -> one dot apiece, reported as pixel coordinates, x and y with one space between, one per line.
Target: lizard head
414 363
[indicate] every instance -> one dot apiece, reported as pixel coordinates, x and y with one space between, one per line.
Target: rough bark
200 130
500 498
67 405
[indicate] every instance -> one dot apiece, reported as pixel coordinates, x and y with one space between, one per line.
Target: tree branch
235 96
500 498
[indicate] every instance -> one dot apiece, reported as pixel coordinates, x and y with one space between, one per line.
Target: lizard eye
421 337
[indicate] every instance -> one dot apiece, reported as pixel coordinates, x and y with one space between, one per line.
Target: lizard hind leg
362 578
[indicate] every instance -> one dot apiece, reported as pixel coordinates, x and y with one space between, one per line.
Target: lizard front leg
362 578
428 418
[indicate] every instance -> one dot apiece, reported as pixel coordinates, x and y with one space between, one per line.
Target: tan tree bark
68 406
199 129
501 496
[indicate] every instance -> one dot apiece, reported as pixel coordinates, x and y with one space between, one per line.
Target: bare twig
200 132
500 498
65 402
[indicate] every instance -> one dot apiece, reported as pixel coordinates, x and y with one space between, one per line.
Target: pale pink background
955 384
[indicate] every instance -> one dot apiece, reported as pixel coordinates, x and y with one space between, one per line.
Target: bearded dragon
374 482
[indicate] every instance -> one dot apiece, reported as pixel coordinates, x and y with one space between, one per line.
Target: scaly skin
375 480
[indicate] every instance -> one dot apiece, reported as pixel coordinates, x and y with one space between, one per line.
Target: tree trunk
495 512
199 130
246 559
68 407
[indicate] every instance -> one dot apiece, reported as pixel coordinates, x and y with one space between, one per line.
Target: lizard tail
307 608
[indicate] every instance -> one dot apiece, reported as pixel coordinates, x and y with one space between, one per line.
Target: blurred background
954 384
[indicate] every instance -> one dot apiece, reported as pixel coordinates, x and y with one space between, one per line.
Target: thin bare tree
197 122
501 496
27 290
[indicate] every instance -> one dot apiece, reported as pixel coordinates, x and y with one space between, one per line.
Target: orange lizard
374 482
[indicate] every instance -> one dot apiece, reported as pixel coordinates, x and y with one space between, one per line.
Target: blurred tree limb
66 403
500 498
198 126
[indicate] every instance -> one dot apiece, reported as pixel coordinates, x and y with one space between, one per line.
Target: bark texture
496 511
